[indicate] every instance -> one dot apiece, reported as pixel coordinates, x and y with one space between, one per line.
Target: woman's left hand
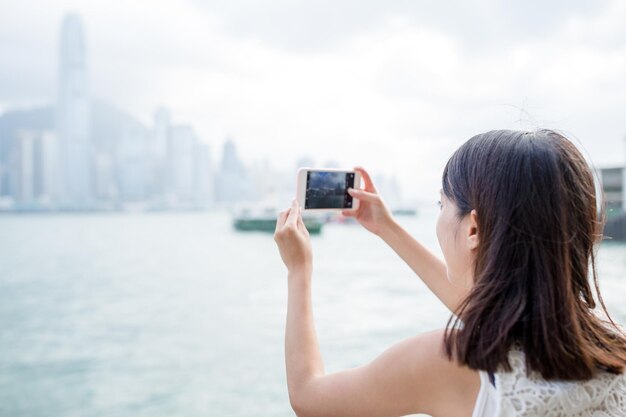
293 240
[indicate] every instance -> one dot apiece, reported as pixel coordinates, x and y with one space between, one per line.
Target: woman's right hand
372 213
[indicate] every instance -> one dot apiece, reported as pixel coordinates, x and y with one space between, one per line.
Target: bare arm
374 215
303 359
424 263
413 376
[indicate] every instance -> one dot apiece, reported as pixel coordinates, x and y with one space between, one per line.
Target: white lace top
516 394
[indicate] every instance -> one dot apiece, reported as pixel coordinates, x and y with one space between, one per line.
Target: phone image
323 190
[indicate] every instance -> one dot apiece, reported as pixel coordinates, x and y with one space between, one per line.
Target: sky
395 87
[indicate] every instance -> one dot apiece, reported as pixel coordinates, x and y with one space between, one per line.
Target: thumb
363 195
349 213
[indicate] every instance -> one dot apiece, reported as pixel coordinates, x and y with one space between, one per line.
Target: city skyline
395 88
88 159
64 165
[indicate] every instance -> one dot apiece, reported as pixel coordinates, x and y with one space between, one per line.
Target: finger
280 221
363 195
302 226
349 213
369 184
294 213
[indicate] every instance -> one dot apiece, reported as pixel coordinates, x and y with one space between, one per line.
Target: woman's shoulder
428 350
450 387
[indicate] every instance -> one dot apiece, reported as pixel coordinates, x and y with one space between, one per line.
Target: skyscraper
233 184
203 175
159 150
47 170
73 115
133 166
181 148
24 168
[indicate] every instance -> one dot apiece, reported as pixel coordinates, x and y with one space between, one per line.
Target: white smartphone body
326 189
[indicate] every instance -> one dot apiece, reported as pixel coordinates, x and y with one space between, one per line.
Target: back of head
538 225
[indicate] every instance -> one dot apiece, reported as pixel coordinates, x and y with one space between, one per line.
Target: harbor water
178 314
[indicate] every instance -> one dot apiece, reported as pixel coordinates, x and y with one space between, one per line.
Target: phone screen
328 189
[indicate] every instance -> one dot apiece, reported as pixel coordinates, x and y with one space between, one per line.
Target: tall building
47 168
2 175
305 161
23 168
35 168
203 175
133 165
104 178
263 181
73 115
613 181
159 148
162 121
389 188
181 147
232 184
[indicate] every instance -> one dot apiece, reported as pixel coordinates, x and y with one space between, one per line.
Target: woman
518 227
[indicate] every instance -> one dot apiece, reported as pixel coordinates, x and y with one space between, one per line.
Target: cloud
395 87
321 24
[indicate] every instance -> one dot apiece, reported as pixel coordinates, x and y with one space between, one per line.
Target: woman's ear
472 235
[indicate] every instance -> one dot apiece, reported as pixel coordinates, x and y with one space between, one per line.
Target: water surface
178 314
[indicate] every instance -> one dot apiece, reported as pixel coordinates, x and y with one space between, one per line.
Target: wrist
303 271
299 283
389 229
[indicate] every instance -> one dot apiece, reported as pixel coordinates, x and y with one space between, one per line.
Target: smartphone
323 190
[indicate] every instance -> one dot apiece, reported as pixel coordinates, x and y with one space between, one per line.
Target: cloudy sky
393 86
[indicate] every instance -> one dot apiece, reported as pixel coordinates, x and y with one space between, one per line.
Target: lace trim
521 395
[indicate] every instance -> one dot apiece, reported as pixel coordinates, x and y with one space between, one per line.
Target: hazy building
117 137
34 170
22 179
612 180
331 163
47 168
3 173
180 176
105 182
162 122
203 176
232 184
263 184
159 149
305 162
73 115
389 189
133 166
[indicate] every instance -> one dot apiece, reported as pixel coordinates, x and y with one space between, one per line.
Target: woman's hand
293 240
372 213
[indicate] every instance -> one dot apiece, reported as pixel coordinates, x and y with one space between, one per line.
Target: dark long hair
539 227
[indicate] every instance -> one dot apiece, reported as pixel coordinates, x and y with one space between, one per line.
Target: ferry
404 211
264 220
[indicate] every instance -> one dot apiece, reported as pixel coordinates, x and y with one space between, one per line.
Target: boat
404 211
264 220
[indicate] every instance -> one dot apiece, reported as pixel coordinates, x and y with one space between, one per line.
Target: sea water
178 314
